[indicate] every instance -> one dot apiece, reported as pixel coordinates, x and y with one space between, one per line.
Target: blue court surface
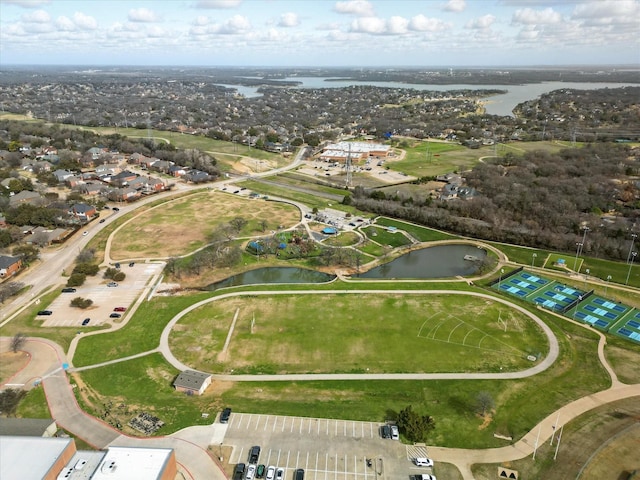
599 312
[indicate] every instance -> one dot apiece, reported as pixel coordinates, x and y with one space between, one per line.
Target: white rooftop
357 147
29 458
126 463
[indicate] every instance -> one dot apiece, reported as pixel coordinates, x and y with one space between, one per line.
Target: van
254 454
385 431
299 474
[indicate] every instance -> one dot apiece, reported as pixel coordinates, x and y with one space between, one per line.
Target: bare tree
9 289
18 341
484 403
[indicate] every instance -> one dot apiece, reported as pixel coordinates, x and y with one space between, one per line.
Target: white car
84 234
271 472
280 474
423 462
395 434
251 472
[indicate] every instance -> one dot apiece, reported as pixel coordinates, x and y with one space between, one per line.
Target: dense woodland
538 199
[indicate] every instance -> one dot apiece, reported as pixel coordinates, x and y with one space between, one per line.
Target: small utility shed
192 382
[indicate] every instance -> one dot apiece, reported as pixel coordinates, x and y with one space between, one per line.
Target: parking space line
266 423
309 426
301 423
345 428
315 472
293 421
326 466
288 455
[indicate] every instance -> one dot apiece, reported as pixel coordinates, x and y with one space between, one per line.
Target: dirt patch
11 363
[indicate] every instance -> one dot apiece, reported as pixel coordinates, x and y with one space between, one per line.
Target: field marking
223 353
453 330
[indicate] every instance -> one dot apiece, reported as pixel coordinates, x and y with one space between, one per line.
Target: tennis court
629 327
574 303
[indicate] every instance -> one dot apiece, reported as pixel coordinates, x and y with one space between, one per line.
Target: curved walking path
46 366
554 349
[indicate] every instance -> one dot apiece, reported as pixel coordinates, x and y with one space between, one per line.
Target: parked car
115 315
85 233
116 209
299 474
224 416
385 431
254 454
280 474
112 284
101 220
251 472
68 290
238 472
395 434
86 321
271 472
120 309
260 471
131 264
423 476
45 312
423 462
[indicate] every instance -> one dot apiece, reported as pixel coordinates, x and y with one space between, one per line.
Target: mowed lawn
337 333
183 225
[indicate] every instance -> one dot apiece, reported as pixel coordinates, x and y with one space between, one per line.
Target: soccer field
338 333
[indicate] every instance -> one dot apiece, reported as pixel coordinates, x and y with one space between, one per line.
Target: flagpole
535 448
554 428
558 444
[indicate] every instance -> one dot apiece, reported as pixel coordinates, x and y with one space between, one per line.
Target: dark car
224 416
260 471
132 264
115 315
86 321
101 220
238 472
385 431
68 290
299 474
116 209
120 309
45 312
254 454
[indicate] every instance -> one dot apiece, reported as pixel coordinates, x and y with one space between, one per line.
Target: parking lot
105 298
326 449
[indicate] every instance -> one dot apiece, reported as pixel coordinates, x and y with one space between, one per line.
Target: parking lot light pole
533 259
606 287
633 257
500 278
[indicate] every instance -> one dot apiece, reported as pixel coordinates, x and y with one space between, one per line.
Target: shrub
86 268
76 279
119 276
81 302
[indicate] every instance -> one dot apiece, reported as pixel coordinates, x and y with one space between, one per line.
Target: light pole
533 259
578 247
606 287
633 239
585 278
633 256
500 278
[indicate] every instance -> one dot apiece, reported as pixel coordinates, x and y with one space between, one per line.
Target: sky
307 33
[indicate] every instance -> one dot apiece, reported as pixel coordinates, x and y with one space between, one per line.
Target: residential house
108 169
83 212
46 236
25 196
161 166
197 176
91 189
123 178
177 170
192 382
74 181
9 266
62 175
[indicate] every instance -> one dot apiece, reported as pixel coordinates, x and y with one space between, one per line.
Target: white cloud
143 15
65 24
156 31
455 6
481 23
608 12
84 22
27 3
37 16
372 25
236 24
202 20
289 19
218 4
420 23
397 25
362 8
528 16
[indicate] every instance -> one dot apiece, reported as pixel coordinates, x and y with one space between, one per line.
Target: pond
432 262
273 275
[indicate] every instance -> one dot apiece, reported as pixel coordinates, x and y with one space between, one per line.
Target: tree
9 400
29 252
18 341
80 302
76 279
415 427
9 289
86 269
484 403
238 223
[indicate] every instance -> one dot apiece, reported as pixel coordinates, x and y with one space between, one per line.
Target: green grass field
423 234
384 237
295 334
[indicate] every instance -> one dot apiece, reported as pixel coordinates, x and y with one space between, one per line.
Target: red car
120 309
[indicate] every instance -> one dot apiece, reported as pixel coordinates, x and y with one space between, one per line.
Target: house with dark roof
25 196
192 382
82 211
9 266
62 175
123 178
